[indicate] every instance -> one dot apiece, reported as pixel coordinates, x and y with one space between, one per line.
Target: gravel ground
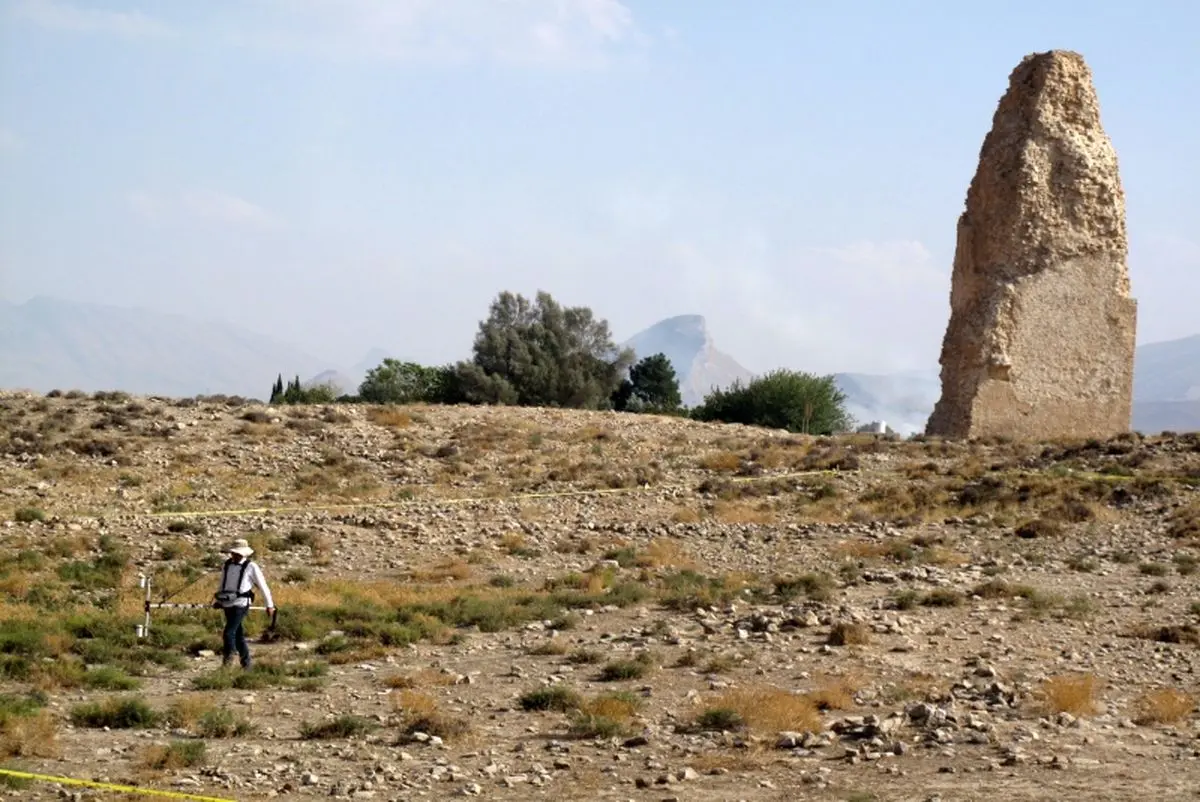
757 615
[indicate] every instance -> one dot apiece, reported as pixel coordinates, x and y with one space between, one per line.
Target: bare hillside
533 604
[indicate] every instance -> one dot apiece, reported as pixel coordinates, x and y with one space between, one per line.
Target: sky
350 174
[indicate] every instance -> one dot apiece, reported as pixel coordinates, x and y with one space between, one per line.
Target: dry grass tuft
29 736
731 512
422 678
1071 693
173 756
612 706
744 761
685 515
769 710
846 633
187 710
420 712
516 545
1169 633
444 571
390 417
592 434
918 685
604 716
834 693
1166 706
664 553
1184 523
722 461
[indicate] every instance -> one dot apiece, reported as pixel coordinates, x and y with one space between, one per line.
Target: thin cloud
892 264
59 15
531 32
204 205
9 140
1164 269
228 209
1176 249
144 205
824 309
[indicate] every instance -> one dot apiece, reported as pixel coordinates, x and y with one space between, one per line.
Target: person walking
239 575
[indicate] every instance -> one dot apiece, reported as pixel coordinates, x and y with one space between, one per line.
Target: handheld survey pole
143 629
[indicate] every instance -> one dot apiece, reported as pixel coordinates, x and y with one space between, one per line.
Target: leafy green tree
652 386
324 393
539 353
782 399
396 382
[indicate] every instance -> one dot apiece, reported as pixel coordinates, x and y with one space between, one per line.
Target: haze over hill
50 344
348 174
46 343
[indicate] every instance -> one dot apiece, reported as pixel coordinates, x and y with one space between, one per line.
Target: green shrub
28 515
554 697
13 706
222 722
942 597
584 657
818 587
177 755
781 399
396 382
344 726
619 670
115 713
720 719
110 678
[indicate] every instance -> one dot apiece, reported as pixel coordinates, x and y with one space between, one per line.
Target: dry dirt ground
534 604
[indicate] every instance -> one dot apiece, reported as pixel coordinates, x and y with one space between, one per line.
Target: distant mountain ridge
48 343
688 345
1168 371
1166 391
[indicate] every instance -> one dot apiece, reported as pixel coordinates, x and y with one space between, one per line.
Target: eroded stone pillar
1041 337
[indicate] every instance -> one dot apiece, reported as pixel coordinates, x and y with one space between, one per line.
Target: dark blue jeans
235 636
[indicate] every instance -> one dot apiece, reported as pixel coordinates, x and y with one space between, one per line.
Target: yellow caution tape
466 500
129 789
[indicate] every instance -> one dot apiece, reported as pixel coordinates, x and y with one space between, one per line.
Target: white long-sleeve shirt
252 576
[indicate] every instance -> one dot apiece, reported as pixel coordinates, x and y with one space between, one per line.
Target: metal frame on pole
143 629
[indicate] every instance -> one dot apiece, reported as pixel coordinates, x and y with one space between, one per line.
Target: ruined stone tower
1040 342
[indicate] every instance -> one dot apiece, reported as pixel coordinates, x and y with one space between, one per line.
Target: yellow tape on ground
128 789
607 491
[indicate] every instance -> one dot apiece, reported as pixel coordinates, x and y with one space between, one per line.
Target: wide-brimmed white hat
240 546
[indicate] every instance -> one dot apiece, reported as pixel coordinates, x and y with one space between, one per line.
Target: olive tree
539 353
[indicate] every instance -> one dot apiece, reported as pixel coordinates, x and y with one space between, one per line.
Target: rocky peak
688 345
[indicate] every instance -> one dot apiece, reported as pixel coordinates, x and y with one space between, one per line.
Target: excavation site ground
516 604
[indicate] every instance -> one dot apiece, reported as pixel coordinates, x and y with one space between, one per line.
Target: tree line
540 353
